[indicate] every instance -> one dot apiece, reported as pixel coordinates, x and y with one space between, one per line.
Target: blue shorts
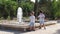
41 22
31 24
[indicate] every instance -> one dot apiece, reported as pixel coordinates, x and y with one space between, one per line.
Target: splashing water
19 14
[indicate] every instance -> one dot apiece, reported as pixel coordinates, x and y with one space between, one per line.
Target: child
41 19
32 21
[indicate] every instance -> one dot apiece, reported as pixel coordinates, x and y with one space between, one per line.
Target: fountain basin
24 26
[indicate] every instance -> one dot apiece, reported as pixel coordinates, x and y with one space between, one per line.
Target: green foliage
8 18
8 8
27 7
56 8
1 18
50 8
57 14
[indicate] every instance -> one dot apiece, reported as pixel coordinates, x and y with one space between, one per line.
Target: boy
41 19
32 21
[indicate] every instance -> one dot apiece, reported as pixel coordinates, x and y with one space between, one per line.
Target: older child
32 21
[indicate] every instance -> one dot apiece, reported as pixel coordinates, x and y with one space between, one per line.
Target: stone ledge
25 25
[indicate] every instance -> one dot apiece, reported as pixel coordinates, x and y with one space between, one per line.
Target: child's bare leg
33 28
30 28
44 26
40 26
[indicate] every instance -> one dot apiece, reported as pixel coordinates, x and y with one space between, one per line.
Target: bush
8 18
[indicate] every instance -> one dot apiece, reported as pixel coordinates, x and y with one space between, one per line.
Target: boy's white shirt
32 18
41 17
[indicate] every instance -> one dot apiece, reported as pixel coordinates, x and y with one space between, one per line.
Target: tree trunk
36 7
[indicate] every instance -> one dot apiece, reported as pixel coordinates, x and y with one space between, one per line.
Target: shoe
45 28
39 27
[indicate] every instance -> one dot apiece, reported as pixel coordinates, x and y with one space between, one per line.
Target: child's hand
37 18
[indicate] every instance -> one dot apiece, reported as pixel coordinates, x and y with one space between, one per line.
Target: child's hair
41 11
32 12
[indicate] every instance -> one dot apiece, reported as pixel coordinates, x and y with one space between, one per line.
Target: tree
27 7
56 8
36 7
8 7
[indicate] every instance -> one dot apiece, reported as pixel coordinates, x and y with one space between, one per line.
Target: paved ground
53 29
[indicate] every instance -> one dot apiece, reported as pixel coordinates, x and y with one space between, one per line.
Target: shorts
31 24
41 22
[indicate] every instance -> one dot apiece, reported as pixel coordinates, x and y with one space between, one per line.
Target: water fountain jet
19 15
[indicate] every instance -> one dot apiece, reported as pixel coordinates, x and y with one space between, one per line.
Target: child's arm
39 16
43 16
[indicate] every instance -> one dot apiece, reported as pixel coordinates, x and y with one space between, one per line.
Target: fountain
19 15
21 24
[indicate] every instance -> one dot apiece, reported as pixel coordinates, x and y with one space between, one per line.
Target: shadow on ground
13 31
57 32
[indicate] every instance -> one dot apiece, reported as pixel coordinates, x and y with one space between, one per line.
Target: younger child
41 19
